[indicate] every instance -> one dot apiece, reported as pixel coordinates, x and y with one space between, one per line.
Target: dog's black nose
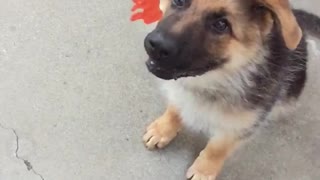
160 47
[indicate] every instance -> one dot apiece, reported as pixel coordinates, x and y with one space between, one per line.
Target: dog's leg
163 130
210 161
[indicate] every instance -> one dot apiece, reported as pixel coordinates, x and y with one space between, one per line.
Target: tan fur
265 28
194 14
160 132
239 115
291 31
179 27
210 161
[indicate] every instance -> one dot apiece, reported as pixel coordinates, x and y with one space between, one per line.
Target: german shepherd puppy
229 66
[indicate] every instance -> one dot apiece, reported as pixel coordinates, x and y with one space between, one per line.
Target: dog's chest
199 113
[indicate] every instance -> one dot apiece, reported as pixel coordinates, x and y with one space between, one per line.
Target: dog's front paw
204 168
160 133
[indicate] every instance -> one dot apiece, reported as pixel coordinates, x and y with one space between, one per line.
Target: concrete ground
76 96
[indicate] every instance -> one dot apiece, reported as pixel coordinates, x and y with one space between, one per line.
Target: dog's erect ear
290 28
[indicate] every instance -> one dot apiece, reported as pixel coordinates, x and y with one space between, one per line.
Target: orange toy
150 11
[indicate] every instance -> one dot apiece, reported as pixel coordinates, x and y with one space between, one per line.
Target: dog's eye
179 3
220 25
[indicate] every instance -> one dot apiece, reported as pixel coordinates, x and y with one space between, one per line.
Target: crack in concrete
25 161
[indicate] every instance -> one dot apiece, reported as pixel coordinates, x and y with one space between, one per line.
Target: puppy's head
197 36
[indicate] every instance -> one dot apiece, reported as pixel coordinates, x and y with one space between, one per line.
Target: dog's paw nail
197 173
158 135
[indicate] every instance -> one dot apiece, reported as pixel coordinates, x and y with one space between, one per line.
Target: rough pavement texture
76 96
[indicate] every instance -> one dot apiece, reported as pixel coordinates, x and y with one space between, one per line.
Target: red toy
150 11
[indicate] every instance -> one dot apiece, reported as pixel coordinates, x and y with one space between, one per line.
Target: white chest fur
204 115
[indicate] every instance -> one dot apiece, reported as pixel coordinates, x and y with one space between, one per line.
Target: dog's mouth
169 73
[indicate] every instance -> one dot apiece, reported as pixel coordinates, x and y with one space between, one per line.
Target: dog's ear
290 28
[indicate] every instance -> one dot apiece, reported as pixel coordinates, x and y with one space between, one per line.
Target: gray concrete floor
76 96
